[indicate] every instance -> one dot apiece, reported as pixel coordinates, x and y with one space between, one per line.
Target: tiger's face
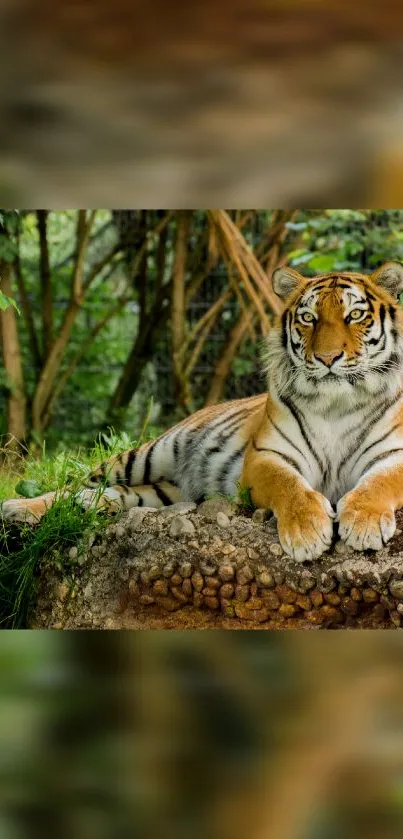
342 327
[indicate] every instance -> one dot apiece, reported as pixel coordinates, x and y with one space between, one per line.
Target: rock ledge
185 566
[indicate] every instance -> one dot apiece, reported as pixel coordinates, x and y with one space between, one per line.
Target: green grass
25 549
245 499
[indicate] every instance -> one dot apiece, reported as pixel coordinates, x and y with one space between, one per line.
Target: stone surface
187 588
242 593
212 582
286 594
266 579
197 581
169 604
179 509
271 600
276 549
227 591
179 594
304 602
287 610
210 509
160 587
226 572
146 599
244 575
197 599
396 588
181 526
316 597
211 601
256 615
222 519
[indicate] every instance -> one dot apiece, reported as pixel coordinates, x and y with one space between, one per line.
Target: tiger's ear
389 277
285 280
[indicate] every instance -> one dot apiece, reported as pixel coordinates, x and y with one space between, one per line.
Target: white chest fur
333 445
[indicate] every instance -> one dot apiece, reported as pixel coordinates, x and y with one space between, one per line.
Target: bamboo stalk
178 307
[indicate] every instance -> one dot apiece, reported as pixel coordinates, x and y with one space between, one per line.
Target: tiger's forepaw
24 510
363 523
306 531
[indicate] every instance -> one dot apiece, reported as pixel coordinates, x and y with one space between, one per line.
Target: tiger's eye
306 317
356 314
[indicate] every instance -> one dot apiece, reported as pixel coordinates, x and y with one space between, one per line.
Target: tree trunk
178 311
46 281
151 321
16 401
50 369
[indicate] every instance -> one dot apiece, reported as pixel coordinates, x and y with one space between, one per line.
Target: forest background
129 319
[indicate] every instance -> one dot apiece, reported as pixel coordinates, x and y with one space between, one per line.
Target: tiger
322 448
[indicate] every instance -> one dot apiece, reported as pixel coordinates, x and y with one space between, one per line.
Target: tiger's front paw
306 528
26 510
364 523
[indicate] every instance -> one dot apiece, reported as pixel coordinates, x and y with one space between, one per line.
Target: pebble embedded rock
181 508
242 593
160 587
181 526
266 579
146 599
222 519
197 581
226 573
227 591
244 575
396 588
164 561
256 615
276 550
187 587
209 509
211 601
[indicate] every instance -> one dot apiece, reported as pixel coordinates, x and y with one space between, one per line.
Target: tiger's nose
328 358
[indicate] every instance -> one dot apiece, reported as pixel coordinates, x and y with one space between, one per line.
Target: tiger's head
338 330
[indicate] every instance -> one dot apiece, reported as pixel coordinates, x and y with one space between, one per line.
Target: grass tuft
26 549
245 503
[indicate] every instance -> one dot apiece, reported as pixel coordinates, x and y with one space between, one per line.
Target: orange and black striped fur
324 444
